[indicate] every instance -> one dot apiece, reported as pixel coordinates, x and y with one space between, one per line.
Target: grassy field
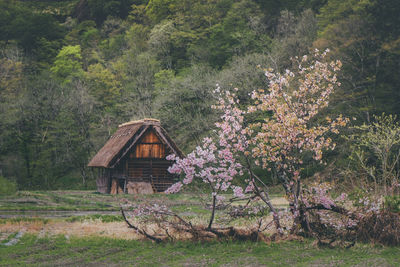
101 237
86 213
89 200
92 201
86 205
95 251
60 201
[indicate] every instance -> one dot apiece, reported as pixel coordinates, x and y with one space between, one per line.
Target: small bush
392 203
7 187
382 227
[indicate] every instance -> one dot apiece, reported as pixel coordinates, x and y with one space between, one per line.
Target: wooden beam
166 141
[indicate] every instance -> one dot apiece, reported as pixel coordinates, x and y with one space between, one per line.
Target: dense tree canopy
71 71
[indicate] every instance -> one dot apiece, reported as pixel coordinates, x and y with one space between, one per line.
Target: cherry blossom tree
215 161
290 127
287 131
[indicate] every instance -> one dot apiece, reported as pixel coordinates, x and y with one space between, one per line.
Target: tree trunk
214 202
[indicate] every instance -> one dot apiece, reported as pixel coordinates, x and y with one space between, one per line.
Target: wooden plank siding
147 162
154 171
149 147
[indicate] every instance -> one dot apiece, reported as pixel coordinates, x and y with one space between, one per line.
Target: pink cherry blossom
278 140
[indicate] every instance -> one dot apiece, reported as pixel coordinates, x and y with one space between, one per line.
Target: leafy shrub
7 187
362 197
392 203
376 152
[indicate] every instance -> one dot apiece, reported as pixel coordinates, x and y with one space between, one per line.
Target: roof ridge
145 121
130 123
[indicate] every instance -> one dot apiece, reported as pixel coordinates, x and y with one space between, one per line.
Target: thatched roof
127 135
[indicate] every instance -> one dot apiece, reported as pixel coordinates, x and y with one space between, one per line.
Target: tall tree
357 33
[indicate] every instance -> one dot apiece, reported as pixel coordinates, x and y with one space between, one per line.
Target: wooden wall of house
147 159
144 163
150 146
103 181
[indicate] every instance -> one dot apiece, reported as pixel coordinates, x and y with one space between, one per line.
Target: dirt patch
113 229
118 230
47 214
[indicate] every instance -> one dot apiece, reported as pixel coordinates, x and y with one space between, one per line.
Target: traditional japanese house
134 159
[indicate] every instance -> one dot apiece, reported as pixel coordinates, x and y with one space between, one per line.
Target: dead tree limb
140 231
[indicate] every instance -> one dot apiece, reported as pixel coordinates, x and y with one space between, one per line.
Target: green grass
56 200
97 251
96 217
84 200
191 209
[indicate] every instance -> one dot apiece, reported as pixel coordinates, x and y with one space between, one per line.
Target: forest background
71 71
